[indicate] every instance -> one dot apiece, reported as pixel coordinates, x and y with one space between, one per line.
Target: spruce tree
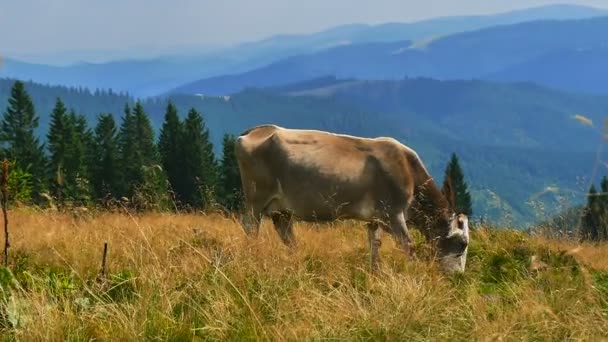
230 179
144 178
69 143
80 140
127 149
170 150
105 164
591 217
199 166
145 149
461 194
17 134
602 228
57 145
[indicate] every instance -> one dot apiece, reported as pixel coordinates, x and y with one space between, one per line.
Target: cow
317 176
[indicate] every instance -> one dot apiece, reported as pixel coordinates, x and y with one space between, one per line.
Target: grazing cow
319 176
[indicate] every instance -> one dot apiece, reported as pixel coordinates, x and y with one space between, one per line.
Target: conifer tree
230 179
591 217
105 163
17 134
80 139
127 148
169 146
143 175
145 148
69 143
462 197
602 228
198 165
57 145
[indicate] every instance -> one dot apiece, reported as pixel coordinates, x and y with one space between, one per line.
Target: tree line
79 165
594 225
110 163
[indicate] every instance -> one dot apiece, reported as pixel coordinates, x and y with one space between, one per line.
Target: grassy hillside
183 277
487 53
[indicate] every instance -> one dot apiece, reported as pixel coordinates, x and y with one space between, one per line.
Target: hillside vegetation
184 277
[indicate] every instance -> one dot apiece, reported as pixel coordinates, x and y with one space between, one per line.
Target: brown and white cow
319 176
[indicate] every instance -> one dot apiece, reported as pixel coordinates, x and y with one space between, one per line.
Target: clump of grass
183 277
601 284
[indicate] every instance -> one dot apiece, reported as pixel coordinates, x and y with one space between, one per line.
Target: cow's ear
448 192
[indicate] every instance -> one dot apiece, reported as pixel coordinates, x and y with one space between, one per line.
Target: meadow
197 277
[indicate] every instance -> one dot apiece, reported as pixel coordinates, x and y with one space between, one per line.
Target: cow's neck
430 211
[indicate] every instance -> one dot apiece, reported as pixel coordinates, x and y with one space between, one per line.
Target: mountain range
159 74
542 51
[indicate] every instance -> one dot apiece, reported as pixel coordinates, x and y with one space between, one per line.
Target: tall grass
184 277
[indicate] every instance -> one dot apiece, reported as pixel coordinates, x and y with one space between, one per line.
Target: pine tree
170 150
591 217
230 179
145 149
143 176
105 163
127 149
69 143
17 133
462 197
199 165
57 145
78 155
602 228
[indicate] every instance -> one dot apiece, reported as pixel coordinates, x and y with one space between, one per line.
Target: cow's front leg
283 223
373 235
402 235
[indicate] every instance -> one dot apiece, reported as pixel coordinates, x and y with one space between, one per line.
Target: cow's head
454 243
453 246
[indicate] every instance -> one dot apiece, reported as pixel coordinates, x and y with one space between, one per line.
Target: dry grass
184 277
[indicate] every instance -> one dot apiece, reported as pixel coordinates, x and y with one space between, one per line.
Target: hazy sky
45 26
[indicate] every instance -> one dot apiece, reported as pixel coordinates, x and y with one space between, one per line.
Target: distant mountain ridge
578 70
528 51
158 75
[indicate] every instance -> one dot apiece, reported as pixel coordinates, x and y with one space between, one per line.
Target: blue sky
30 27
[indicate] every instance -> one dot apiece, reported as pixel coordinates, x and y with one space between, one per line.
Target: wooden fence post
103 259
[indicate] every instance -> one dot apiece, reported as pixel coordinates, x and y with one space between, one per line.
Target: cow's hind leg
373 235
283 223
401 234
